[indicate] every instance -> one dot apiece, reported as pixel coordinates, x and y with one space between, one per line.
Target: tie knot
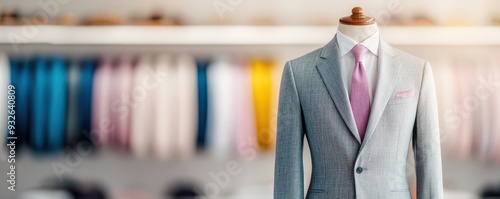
359 52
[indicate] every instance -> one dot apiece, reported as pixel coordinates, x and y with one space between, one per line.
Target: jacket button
359 170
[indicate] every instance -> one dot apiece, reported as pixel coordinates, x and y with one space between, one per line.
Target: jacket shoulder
305 62
410 60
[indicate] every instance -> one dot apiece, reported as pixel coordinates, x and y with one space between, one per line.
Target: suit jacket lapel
389 65
329 69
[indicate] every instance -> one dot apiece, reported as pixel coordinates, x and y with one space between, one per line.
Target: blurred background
127 99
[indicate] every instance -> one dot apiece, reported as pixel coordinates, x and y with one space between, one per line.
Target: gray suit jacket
314 103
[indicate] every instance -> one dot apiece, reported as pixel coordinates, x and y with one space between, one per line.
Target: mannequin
357 26
358 136
358 33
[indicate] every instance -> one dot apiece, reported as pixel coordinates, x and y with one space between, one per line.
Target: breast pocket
402 97
401 100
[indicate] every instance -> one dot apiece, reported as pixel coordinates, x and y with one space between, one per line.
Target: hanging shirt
121 85
4 82
39 104
102 125
166 109
143 101
220 125
56 104
262 90
188 105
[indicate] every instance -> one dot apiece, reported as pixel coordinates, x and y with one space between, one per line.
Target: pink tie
360 93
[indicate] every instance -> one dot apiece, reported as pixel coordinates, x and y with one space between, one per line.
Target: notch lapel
389 66
329 69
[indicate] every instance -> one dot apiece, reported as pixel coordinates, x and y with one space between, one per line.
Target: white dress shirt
495 142
221 119
4 82
370 61
143 96
167 108
188 105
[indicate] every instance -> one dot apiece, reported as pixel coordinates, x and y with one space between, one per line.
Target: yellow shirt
262 90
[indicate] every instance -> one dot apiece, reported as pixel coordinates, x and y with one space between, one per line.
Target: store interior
155 99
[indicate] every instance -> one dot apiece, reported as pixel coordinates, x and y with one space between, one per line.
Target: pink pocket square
405 94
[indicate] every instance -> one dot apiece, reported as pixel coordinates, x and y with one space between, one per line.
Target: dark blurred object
183 190
491 192
90 192
76 189
156 19
9 18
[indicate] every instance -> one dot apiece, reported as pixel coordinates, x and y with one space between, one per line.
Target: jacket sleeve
426 141
288 173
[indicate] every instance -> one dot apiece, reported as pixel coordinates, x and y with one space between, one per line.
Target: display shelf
237 35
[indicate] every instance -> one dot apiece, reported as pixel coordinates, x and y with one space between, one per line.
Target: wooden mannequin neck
358 33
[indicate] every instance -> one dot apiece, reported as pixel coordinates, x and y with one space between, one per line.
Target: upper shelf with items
238 35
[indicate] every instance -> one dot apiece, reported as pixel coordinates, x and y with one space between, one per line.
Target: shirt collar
346 43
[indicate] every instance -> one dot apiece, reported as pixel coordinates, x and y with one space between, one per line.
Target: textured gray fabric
314 103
